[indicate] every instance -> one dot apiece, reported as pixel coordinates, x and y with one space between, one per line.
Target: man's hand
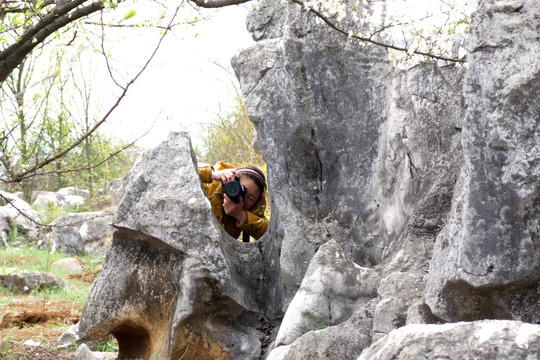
236 210
224 175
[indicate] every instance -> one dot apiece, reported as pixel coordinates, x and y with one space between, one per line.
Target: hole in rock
133 342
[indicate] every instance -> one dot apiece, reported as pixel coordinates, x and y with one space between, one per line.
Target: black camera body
233 189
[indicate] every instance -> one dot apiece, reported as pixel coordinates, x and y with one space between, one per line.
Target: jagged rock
82 233
331 291
488 339
182 286
486 263
17 218
26 282
71 337
364 154
354 147
339 342
84 353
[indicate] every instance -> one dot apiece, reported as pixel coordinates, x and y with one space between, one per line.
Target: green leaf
131 13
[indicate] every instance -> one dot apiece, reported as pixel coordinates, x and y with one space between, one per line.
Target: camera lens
233 189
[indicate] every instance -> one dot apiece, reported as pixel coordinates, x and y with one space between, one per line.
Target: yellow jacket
256 223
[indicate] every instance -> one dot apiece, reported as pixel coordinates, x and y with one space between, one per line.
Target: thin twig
24 174
334 26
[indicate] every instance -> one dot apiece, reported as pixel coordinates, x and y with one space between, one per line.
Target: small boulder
26 282
17 218
83 353
44 199
68 265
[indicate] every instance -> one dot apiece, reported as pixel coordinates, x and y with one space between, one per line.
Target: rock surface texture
174 283
405 208
488 255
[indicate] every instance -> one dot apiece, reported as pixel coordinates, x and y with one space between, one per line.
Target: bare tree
40 18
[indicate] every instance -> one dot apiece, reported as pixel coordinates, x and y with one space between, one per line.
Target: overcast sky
183 87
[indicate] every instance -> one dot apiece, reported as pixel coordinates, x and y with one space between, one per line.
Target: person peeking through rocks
242 210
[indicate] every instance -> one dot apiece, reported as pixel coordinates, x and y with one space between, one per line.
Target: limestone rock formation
174 283
357 151
64 198
486 263
417 187
332 290
25 282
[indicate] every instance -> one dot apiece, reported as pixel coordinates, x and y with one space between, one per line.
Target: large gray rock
357 151
173 281
494 340
486 263
82 233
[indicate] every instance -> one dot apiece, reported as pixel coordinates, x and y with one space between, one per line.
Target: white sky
184 87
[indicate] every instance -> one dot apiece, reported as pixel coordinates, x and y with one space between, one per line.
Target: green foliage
108 344
230 138
131 13
49 120
30 259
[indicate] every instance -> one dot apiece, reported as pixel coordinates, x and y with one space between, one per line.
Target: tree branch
59 17
47 161
334 26
217 3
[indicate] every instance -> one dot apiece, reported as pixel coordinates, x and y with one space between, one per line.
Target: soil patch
37 319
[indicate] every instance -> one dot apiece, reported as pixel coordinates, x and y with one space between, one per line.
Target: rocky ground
39 321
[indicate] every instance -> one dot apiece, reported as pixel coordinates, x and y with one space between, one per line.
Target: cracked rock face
357 151
486 263
399 198
173 280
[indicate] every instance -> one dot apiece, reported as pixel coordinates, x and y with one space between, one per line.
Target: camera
233 189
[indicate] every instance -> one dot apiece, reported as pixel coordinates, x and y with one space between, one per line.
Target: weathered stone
488 339
174 283
17 218
486 263
357 151
82 233
331 291
339 342
26 282
84 353
43 199
371 157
